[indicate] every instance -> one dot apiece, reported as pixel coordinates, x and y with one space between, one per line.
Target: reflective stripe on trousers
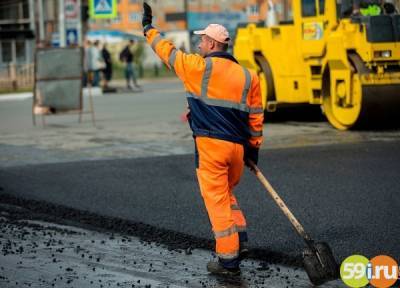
219 171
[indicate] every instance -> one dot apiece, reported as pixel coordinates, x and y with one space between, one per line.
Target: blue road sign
55 39
72 36
103 8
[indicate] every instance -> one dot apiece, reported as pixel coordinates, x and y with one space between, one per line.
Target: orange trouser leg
218 162
234 178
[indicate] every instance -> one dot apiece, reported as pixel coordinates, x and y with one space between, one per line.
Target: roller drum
380 107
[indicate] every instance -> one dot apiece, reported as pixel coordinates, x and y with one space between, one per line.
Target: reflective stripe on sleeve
172 57
206 78
246 85
155 42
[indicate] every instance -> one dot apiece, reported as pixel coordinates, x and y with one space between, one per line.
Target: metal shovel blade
320 264
318 259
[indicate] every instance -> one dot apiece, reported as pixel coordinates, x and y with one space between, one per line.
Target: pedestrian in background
96 63
226 117
86 57
126 56
107 71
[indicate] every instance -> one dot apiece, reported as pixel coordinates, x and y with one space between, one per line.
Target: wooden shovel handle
296 224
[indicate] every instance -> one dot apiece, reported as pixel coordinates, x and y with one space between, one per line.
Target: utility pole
186 10
79 24
32 24
41 20
61 23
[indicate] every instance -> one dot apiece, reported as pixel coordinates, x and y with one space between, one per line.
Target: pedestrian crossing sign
103 8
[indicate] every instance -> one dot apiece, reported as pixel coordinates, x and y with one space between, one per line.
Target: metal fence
16 76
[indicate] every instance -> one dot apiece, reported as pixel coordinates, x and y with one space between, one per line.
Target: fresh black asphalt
346 195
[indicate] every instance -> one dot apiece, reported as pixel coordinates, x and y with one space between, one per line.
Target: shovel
318 259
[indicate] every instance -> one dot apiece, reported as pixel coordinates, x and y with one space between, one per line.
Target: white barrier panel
58 80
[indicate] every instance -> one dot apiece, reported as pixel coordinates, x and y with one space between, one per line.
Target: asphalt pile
42 249
172 240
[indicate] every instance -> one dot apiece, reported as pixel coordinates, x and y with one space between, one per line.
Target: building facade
26 24
179 18
129 16
174 15
17 36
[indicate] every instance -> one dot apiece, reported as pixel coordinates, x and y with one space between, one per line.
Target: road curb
16 96
96 91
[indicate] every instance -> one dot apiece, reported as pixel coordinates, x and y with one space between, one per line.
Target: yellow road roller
349 66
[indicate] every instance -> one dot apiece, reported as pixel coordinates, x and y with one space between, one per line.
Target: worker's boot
243 250
224 268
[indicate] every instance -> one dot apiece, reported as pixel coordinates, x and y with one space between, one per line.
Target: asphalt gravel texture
346 195
38 252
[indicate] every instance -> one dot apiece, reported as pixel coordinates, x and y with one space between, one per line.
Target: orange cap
216 32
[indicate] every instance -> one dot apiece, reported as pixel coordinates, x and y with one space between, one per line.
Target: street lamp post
186 9
32 16
61 23
41 20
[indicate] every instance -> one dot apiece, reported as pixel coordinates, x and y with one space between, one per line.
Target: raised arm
183 64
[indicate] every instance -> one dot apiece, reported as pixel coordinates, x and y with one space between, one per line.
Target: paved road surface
344 194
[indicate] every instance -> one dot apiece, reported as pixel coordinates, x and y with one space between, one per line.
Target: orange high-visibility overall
226 114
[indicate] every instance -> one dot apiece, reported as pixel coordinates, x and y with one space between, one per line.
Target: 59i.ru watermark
381 271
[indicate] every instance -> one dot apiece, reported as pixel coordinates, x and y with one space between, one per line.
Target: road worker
226 117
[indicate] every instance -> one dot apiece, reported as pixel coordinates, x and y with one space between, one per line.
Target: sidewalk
15 96
96 91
